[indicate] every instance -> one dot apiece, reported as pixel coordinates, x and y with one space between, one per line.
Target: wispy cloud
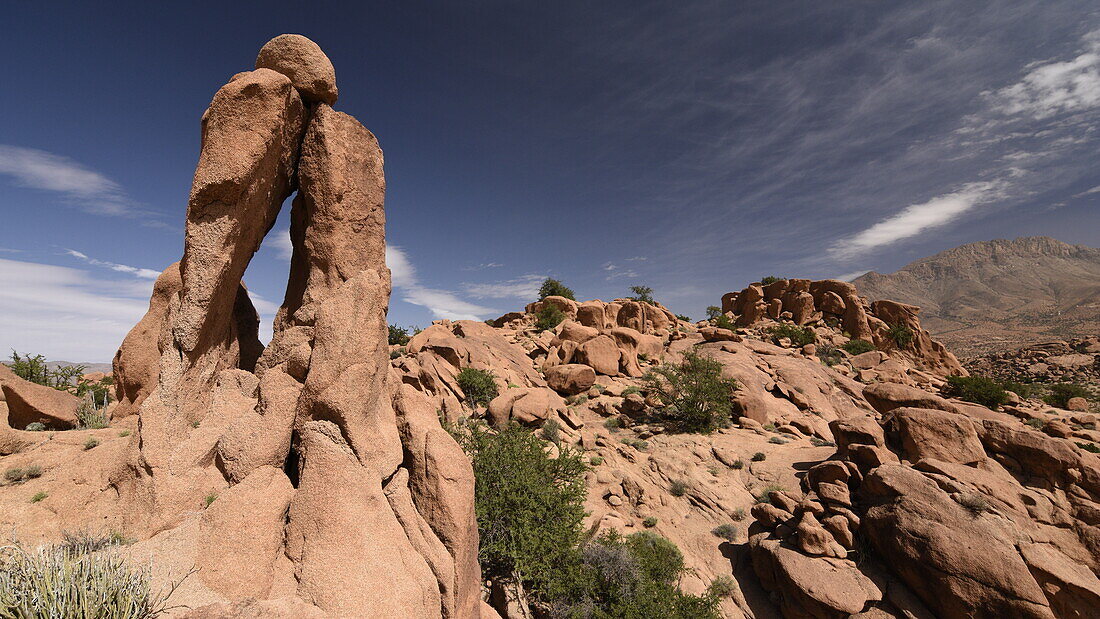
523 287
442 303
483 266
1051 88
847 277
613 271
65 313
279 240
121 268
915 219
77 183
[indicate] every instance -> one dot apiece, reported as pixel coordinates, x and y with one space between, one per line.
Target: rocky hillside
1001 294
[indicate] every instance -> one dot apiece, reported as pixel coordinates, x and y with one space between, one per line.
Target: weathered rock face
338 491
28 403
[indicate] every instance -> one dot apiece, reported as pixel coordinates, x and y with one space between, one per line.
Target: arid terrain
803 452
999 295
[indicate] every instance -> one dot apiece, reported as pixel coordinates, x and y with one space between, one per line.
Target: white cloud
441 303
482 266
63 313
39 169
1051 88
1088 192
279 241
916 218
523 287
121 268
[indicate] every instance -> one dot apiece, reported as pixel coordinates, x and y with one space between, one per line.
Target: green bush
694 396
738 514
633 577
631 390
683 318
613 423
554 288
771 279
738 464
901 335
678 487
1023 390
91 443
857 347
1089 447
1036 423
722 587
479 386
798 336
595 460
399 336
530 508
1061 393
973 502
650 522
725 322
763 497
551 431
642 294
759 456
36 426
209 500
727 532
713 311
977 389
830 355
89 416
39 496
99 391
60 581
548 317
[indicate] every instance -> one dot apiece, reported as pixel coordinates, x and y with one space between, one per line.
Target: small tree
771 279
694 396
900 334
1061 393
642 294
548 317
479 386
399 336
977 389
554 288
713 311
34 369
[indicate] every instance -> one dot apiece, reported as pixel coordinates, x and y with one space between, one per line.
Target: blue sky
693 147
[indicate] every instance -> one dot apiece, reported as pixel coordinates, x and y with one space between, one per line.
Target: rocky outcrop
28 403
337 490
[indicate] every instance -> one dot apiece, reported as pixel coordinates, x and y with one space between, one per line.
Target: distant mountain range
999 294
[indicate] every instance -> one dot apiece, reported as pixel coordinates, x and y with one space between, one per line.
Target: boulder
928 433
29 402
570 378
885 397
300 59
1077 404
601 354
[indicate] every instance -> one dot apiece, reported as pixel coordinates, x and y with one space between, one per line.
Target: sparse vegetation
857 347
551 431
209 500
642 294
1061 393
479 386
713 312
1089 447
799 336
399 336
554 288
18 475
33 368
91 443
775 440
764 495
722 587
595 460
613 423
725 322
1023 390
195 424
770 279
683 318
973 502
89 416
694 396
1036 423
820 442
637 443
35 426
738 464
738 514
830 355
68 580
900 334
759 456
39 496
631 390
977 389
548 317
650 522
84 542
727 532
678 487
124 433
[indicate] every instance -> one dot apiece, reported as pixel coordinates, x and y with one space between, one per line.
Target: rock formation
336 490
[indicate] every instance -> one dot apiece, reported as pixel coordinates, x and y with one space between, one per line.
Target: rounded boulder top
303 61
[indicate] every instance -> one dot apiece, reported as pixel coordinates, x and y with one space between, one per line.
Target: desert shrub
678 487
1023 390
830 355
33 368
39 496
100 391
576 399
1036 423
762 496
394 354
631 390
683 317
722 587
548 317
613 423
35 426
759 456
799 336
770 279
61 581
89 416
973 502
642 294
530 508
713 470
636 443
725 322
770 427
14 475
857 347
713 311
650 522
399 336
900 334
738 464
977 389
209 500
91 443
633 577
84 542
777 440
1061 393
124 433
554 288
820 442
595 460
694 396
480 386
1089 447
727 532
551 431
738 514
